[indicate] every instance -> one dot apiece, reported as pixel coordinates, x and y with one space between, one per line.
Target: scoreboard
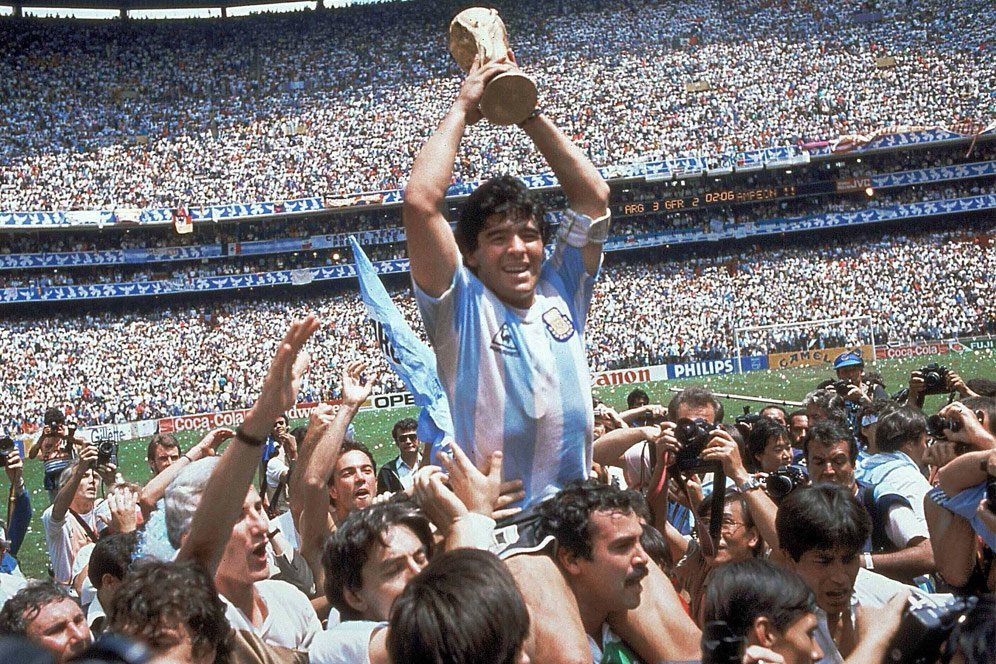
721 197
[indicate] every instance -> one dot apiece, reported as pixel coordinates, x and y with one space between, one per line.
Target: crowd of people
163 361
522 519
390 245
815 535
162 114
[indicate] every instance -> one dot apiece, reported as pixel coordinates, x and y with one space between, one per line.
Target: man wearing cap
851 369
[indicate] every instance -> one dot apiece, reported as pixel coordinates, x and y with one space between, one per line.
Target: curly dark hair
157 597
350 546
567 516
22 609
499 195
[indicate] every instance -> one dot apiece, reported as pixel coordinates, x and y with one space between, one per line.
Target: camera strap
709 544
86 526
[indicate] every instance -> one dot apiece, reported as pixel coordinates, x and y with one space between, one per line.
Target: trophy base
509 98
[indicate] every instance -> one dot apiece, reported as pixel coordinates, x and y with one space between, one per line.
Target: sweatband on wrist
577 230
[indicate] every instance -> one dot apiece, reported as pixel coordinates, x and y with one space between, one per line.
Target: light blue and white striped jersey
517 380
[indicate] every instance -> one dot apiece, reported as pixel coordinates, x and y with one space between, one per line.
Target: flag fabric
182 221
406 354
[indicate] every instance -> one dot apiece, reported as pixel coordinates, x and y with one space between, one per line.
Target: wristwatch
749 484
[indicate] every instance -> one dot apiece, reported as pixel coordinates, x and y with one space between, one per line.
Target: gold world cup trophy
510 97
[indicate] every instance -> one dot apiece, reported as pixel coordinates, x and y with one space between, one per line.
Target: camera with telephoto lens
720 645
784 481
693 436
106 453
935 379
6 447
925 628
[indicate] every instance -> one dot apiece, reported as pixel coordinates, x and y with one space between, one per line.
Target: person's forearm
907 563
20 519
64 498
963 472
36 448
155 489
580 180
432 171
763 511
609 449
310 488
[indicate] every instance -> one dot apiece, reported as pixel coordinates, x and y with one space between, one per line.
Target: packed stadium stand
845 145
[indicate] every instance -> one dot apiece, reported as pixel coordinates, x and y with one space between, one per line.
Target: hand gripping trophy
509 97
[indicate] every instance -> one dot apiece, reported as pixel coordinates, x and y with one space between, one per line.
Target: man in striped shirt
507 328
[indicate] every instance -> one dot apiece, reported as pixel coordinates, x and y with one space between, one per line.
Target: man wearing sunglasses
396 475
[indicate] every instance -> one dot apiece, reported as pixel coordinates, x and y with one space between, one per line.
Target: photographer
278 460
961 424
56 444
934 379
71 521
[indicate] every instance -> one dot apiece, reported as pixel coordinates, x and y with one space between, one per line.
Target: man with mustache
597 529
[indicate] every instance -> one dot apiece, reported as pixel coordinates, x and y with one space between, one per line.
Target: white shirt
290 620
345 643
64 539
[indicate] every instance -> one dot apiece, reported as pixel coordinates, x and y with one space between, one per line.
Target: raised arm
221 505
432 249
64 498
584 187
966 471
610 448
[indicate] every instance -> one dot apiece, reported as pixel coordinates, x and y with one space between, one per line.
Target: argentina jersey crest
558 323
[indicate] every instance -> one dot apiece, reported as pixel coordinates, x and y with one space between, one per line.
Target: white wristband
577 230
869 563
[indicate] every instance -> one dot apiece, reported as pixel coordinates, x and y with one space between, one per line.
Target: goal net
807 342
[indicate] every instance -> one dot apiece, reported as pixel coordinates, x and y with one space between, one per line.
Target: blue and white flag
411 359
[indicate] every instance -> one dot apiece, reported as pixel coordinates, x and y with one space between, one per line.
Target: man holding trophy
507 329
